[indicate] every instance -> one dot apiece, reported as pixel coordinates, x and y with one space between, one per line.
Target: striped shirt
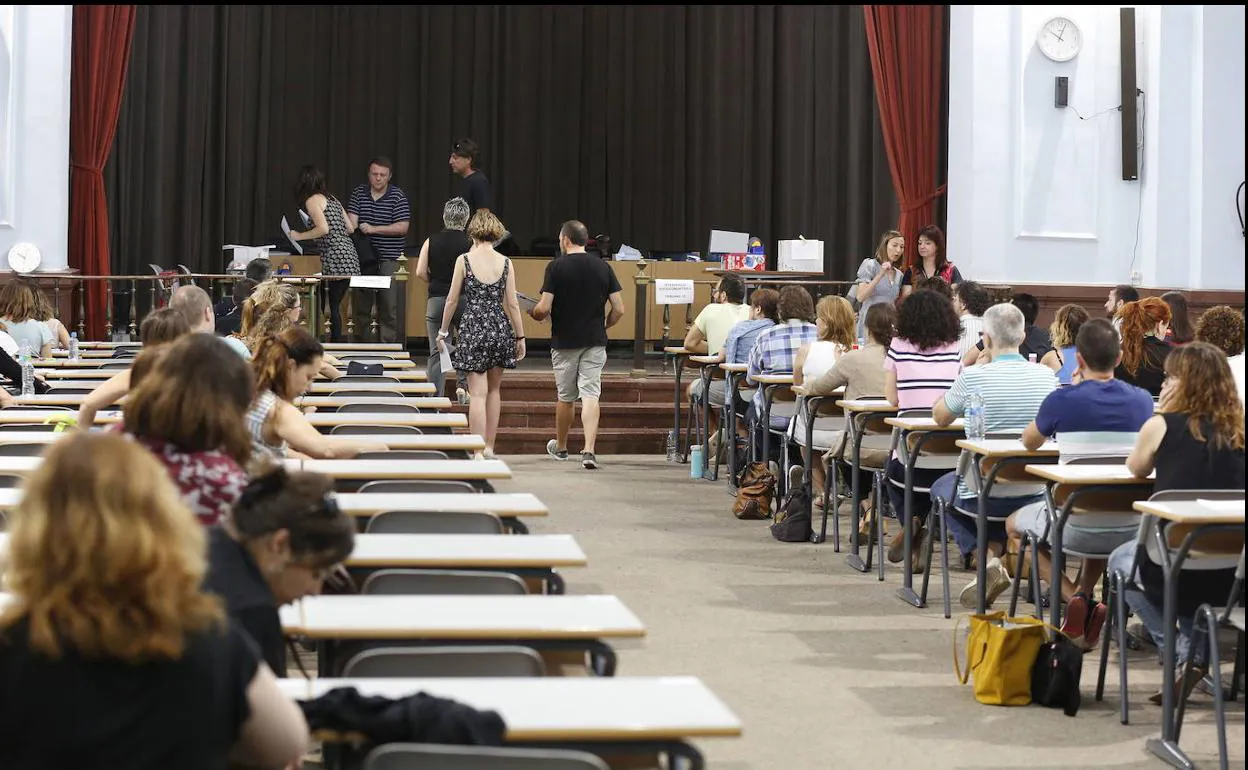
390 208
922 375
1013 391
972 328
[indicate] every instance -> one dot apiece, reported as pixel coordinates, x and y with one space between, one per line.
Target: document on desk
286 232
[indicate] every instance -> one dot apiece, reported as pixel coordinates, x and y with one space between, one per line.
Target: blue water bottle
695 461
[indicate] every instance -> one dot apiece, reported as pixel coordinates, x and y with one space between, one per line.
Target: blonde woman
1063 330
47 314
108 628
272 309
834 329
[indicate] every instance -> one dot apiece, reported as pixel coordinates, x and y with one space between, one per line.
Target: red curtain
100 57
905 47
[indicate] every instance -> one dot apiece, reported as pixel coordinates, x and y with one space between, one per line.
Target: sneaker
489 454
588 461
1138 637
998 582
461 396
1075 624
1096 621
552 449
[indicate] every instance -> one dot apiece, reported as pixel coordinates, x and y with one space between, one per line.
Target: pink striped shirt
922 375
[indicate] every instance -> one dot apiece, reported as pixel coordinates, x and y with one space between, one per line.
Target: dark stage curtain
653 124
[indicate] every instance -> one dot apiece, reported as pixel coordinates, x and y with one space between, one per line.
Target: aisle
824 667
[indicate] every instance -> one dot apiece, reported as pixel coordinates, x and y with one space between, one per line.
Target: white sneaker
998 582
552 449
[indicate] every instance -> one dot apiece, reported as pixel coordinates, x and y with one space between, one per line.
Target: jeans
963 527
433 323
1149 608
362 301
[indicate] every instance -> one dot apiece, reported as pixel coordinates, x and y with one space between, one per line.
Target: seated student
1144 348
230 321
1036 341
19 317
158 328
1180 331
1063 331
111 653
970 300
196 306
285 364
1196 442
272 308
835 325
736 350
285 536
727 308
1223 327
1013 390
1098 417
187 406
46 313
776 348
257 272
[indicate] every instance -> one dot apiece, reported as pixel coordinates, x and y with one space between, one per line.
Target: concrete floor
823 665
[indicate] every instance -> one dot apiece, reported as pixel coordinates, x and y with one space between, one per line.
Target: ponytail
1138 319
274 352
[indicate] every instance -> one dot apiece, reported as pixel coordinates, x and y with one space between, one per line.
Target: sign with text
673 292
370 282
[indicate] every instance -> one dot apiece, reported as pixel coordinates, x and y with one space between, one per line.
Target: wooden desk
361 346
416 419
453 442
468 470
735 368
1192 512
774 379
402 375
1010 447
866 405
422 402
407 388
370 504
1088 474
386 364
575 622
653 714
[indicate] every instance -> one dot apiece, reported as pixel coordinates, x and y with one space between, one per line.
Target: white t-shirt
715 320
8 345
1237 371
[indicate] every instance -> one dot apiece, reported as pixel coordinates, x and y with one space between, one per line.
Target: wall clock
1059 39
24 257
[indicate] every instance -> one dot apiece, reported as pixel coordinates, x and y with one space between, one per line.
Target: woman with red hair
1144 346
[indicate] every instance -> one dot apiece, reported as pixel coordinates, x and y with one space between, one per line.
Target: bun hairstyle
303 504
275 352
264 312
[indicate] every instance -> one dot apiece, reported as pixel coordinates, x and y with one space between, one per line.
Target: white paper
286 232
801 255
673 292
1223 506
627 254
444 357
526 302
728 242
307 220
370 282
244 254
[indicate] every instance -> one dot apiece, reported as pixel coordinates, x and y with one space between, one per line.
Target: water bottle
861 343
1031 357
28 372
695 461
671 447
976 425
73 346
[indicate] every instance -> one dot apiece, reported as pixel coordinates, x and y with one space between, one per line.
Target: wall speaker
1130 113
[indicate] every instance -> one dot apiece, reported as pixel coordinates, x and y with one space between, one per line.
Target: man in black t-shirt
475 189
575 294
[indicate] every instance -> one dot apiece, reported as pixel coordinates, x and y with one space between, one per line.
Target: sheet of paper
444 357
370 282
627 254
286 232
1223 506
673 292
527 303
307 220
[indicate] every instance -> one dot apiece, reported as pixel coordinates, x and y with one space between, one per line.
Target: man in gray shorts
575 294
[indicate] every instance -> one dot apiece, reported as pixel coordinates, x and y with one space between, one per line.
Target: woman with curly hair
1144 346
1195 442
1062 331
270 310
1223 327
921 364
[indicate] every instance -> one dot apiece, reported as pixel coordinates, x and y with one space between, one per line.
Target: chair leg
875 511
1238 670
1121 581
1037 592
1111 601
878 525
1018 578
927 554
943 510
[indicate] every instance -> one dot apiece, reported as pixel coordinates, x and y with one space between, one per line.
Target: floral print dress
485 339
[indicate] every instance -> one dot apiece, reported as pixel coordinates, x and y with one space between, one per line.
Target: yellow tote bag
1000 652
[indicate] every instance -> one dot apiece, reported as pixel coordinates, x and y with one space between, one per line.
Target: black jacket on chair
418 718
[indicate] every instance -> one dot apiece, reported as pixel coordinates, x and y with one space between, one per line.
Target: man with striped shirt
1012 389
379 210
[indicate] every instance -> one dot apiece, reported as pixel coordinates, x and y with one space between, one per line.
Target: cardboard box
800 256
737 263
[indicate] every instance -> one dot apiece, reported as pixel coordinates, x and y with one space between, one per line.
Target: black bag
369 262
792 521
1055 675
361 368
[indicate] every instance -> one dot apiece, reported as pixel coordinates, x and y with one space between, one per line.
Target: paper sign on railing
673 292
370 282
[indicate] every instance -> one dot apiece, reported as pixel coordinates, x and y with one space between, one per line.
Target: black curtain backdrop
653 124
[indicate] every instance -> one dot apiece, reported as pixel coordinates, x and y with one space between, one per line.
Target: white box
799 256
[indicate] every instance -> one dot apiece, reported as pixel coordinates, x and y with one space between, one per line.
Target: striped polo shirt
922 375
390 208
1013 391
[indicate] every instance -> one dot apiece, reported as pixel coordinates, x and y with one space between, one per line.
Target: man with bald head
196 307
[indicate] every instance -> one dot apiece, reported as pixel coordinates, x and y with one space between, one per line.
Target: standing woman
491 334
331 225
931 262
436 266
879 277
1063 330
1181 331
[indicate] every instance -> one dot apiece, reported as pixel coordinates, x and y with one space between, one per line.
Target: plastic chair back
364 429
422 662
423 756
418 487
434 523
413 582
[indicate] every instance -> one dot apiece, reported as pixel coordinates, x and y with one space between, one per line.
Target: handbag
754 493
1055 676
1000 652
792 521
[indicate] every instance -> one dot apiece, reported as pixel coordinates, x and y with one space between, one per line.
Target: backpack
792 521
1055 675
754 493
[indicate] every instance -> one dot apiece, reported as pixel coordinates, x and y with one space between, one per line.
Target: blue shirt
1095 418
741 339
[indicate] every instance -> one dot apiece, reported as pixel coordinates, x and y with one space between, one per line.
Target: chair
366 394
64 391
349 378
125 352
18 427
22 450
364 429
421 756
415 487
379 408
1207 622
434 523
437 582
115 366
1116 618
405 454
10 481
421 662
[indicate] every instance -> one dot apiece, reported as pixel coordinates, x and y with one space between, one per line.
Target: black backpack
791 523
1055 676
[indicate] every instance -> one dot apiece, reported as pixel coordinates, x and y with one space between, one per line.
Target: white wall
1036 192
34 130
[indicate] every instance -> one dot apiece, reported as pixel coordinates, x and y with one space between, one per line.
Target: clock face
24 257
1059 39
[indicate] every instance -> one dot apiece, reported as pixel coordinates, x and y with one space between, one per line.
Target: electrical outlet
1137 278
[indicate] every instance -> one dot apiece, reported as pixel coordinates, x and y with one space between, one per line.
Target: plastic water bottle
861 343
976 425
28 372
1031 357
73 346
671 447
695 461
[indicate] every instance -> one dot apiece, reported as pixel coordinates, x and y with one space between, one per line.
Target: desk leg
981 547
906 592
706 421
1057 561
766 425
854 559
1167 748
676 409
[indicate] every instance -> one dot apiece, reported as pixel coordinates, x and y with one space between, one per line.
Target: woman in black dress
331 225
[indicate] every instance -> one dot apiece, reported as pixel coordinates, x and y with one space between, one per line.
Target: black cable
1239 209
